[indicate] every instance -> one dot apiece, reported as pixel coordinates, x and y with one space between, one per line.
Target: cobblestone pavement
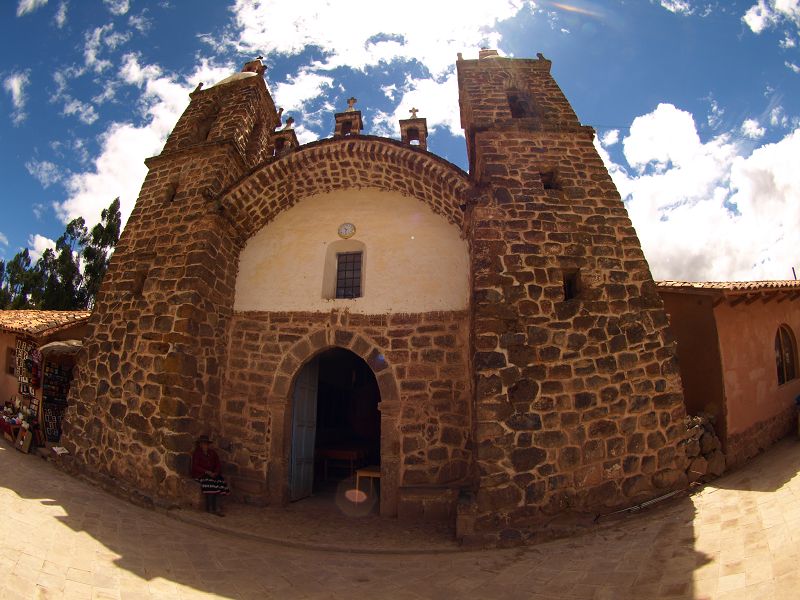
63 538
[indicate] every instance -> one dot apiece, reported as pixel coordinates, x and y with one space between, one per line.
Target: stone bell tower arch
148 381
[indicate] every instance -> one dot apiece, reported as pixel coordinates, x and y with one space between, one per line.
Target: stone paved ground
62 538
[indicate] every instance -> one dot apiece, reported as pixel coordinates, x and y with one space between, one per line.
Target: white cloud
117 7
139 22
390 91
61 15
26 6
37 244
3 239
38 210
707 210
770 13
714 117
119 168
610 137
305 86
778 118
86 112
92 46
437 102
682 7
429 32
304 135
15 85
132 72
46 172
794 67
752 129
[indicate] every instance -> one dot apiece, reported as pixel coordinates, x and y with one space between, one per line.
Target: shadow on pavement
647 555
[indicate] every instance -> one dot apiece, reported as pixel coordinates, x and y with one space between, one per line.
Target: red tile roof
731 286
37 322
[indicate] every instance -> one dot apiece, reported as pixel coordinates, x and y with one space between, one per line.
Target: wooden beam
739 299
769 297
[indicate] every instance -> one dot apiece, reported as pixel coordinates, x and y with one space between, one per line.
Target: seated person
207 469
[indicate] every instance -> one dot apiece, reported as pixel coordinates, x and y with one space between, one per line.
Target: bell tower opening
336 428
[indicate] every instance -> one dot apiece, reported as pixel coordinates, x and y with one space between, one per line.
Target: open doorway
336 424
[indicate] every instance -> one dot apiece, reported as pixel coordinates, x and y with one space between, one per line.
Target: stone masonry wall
579 404
422 356
747 444
149 376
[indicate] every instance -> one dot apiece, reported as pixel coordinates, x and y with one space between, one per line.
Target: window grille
348 274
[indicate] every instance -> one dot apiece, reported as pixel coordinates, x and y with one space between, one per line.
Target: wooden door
304 430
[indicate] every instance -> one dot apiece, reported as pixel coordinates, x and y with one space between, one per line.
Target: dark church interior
348 419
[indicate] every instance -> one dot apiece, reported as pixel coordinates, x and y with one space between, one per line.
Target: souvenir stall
40 349
21 412
58 360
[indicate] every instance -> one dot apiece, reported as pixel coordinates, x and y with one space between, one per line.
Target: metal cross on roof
414 112
351 104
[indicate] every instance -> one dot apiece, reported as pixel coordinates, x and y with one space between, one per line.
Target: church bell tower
578 399
152 364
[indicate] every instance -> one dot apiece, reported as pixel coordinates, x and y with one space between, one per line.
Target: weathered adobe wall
423 357
579 404
759 411
692 323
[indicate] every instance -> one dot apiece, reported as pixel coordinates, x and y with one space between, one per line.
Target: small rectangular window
348 275
572 283
10 360
550 180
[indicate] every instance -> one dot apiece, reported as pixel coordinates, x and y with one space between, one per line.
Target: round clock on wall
347 230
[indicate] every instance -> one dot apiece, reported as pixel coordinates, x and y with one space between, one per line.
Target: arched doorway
336 423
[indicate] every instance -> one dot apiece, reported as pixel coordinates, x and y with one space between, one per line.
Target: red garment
202 462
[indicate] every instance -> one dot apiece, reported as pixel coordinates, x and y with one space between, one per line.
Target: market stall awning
64 347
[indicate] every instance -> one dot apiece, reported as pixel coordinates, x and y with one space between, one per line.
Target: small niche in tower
139 277
172 191
347 128
280 143
204 127
413 136
550 179
572 283
520 104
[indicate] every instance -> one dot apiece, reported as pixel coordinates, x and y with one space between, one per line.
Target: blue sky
696 103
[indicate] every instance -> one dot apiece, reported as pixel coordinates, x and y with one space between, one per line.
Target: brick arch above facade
340 163
324 339
294 360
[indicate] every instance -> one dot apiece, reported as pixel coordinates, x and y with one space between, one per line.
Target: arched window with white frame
785 354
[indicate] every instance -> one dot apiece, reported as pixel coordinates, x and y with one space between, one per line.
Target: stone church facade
520 347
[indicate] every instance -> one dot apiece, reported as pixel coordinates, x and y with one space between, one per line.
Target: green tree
98 246
5 294
19 279
67 277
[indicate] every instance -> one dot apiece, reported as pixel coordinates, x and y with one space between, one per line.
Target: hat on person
203 438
